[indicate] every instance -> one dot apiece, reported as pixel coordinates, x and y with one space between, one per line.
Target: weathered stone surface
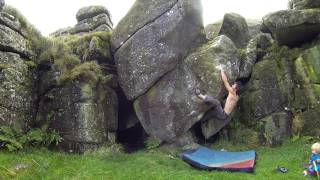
135 20
61 32
11 41
212 30
90 19
82 114
277 127
293 27
91 24
99 51
269 90
307 93
170 107
158 47
17 91
254 27
1 4
254 51
82 108
12 23
213 126
90 12
303 4
234 26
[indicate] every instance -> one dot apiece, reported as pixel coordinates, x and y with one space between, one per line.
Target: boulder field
92 82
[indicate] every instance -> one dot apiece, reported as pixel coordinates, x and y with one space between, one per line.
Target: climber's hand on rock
201 96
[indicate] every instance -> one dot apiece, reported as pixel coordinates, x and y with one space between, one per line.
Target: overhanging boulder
170 107
293 27
149 47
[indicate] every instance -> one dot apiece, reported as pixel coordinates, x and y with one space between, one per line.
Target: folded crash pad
204 158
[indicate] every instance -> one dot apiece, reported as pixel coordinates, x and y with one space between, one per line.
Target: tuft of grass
152 143
145 164
89 72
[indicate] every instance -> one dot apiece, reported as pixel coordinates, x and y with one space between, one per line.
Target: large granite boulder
13 23
12 41
77 96
85 116
169 109
277 127
17 71
234 26
135 20
17 91
293 27
303 4
150 45
90 19
90 12
307 92
255 50
266 106
268 90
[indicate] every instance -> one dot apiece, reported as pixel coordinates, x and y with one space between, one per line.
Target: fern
14 140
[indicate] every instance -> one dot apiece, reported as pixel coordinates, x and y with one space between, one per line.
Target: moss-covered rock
268 90
254 51
307 92
293 27
17 70
92 24
90 12
170 108
303 4
17 92
90 19
234 26
242 134
82 114
11 41
76 92
13 23
212 30
90 46
276 128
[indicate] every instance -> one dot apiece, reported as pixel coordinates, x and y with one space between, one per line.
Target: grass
147 164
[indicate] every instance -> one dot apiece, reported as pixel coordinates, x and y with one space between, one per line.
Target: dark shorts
216 111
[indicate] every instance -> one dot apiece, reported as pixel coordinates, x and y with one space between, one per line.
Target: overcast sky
50 15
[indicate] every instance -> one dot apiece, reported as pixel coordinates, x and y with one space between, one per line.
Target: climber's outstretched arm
225 81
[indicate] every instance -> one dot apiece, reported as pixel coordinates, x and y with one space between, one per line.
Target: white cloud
50 15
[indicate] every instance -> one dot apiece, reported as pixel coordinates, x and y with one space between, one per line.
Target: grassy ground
147 164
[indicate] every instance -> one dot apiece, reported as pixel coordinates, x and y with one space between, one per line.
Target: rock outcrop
170 107
234 26
293 27
307 92
255 50
17 75
77 87
150 46
303 4
90 19
162 57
